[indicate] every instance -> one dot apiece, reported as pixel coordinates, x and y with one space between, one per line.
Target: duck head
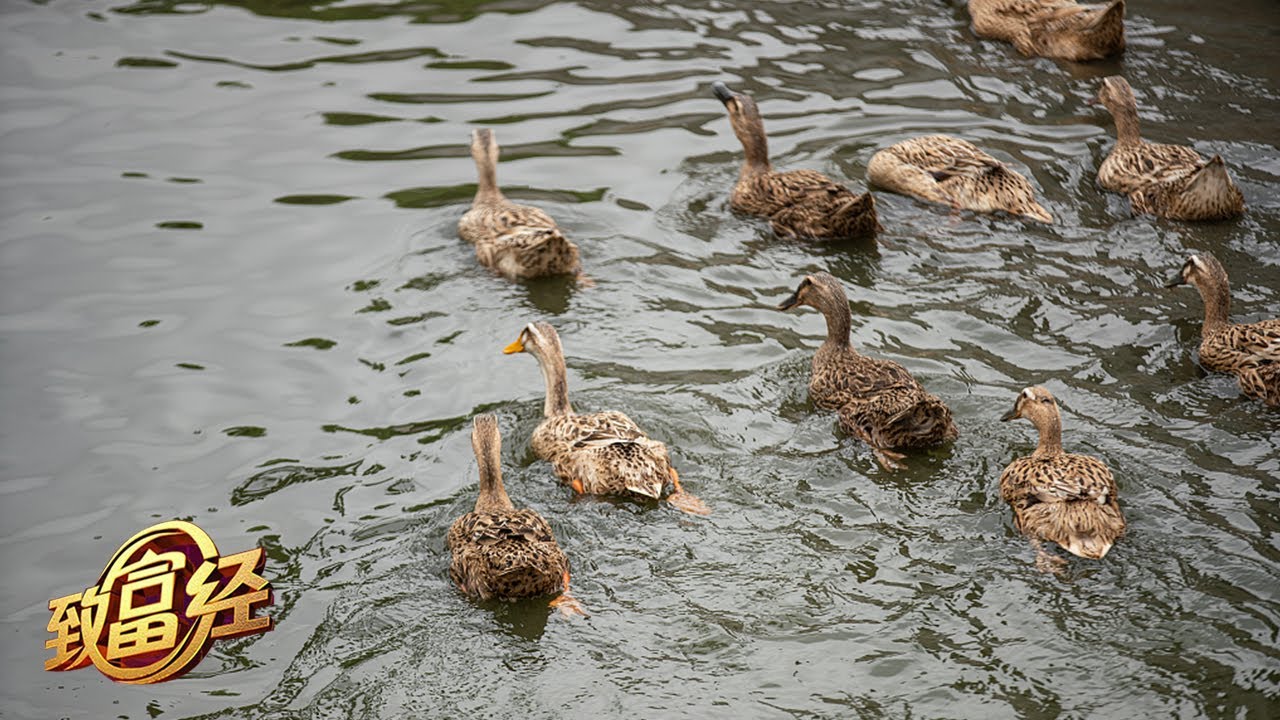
820 291
747 124
540 340
825 294
1033 403
1115 94
1200 270
1206 274
1038 405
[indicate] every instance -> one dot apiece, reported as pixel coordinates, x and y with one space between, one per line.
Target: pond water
232 293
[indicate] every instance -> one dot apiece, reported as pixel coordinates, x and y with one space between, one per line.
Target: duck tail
1088 546
856 217
648 487
1111 17
1212 192
1212 175
537 237
924 422
533 247
1083 527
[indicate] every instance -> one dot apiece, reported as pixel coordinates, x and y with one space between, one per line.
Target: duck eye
1045 400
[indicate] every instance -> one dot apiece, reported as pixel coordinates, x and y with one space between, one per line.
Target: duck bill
1176 281
722 92
790 302
513 348
1011 415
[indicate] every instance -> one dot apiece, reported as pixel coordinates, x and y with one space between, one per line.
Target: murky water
232 292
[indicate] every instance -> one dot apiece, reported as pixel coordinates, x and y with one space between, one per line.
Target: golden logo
160 603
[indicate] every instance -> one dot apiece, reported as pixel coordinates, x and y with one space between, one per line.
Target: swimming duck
1052 28
1250 352
602 453
798 203
1170 181
878 401
1056 496
499 551
948 170
518 241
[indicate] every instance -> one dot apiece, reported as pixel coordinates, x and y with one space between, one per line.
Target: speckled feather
1057 496
517 241
605 451
797 203
508 554
878 400
1064 498
1170 181
1130 167
1059 29
1251 351
955 172
805 204
602 453
499 551
1203 192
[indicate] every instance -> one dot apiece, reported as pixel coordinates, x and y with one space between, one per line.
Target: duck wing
609 454
506 554
1073 478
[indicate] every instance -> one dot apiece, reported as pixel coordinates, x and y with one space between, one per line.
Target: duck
1060 29
797 203
955 172
517 241
600 453
1171 181
1250 352
498 551
1056 496
878 401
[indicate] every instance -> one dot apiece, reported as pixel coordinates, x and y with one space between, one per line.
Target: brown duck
878 401
1170 181
1250 352
954 172
517 241
797 203
1059 29
1056 496
602 453
501 552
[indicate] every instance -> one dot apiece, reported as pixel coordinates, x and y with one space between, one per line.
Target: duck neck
1050 428
1217 304
556 377
839 322
1128 131
487 178
755 149
493 495
755 166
